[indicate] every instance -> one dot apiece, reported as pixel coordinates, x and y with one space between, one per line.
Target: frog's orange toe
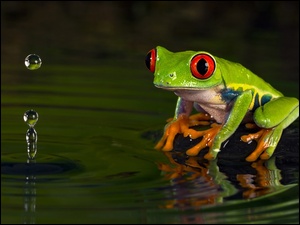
259 152
159 145
253 157
264 156
207 140
209 156
168 146
250 137
165 143
261 137
261 147
196 149
199 119
172 129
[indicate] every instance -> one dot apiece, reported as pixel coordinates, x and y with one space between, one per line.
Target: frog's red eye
202 66
150 60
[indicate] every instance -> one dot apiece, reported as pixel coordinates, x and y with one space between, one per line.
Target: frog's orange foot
199 119
181 126
207 140
171 130
262 138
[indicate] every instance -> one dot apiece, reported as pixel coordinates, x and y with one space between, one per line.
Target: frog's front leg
236 115
272 117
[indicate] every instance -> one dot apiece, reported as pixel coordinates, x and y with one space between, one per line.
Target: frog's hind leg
273 124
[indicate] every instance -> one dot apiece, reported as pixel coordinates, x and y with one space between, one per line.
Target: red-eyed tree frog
221 91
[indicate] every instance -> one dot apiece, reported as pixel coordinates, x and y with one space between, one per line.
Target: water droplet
33 62
31 138
31 117
31 135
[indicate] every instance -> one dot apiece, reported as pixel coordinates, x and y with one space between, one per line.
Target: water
95 160
33 62
31 117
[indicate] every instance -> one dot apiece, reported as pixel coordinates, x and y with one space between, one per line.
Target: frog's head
183 70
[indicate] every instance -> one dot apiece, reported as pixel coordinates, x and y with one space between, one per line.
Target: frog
225 96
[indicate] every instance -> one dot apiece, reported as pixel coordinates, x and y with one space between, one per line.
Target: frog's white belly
208 100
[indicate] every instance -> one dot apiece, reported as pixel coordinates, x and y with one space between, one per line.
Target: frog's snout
172 77
166 80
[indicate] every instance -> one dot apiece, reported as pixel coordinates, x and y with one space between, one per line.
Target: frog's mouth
197 94
180 88
186 91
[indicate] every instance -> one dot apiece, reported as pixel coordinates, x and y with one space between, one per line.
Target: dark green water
96 163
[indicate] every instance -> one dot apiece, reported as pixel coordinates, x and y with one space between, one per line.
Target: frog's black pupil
202 66
147 60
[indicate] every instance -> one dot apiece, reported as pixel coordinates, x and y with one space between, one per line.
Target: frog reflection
196 182
263 182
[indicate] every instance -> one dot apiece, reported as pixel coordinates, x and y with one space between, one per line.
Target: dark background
86 31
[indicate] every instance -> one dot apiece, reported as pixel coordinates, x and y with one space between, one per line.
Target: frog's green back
238 77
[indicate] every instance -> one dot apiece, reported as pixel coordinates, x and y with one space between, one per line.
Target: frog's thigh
281 110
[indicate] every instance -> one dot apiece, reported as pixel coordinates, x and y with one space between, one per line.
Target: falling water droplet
31 138
31 117
33 62
31 135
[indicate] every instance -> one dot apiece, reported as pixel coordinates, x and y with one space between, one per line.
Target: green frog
224 92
